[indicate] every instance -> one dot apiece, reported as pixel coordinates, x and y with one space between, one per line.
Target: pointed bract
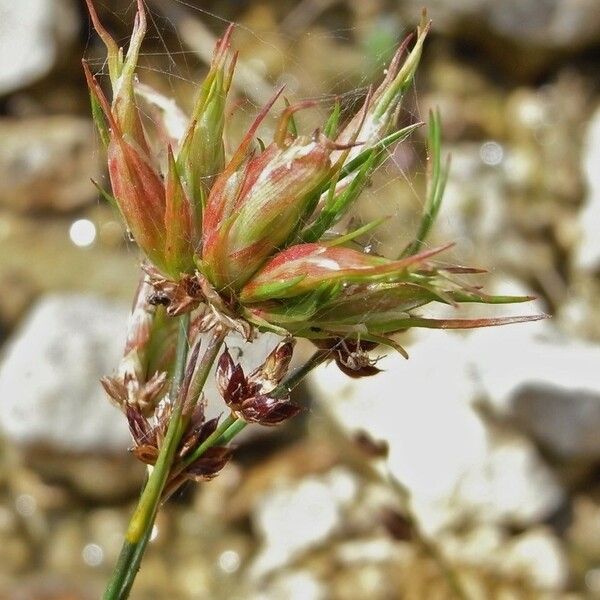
202 154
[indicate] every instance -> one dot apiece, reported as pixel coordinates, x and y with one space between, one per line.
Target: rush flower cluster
254 238
250 397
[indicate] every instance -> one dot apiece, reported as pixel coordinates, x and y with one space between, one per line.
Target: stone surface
535 23
454 465
32 32
587 255
46 163
548 386
298 517
49 389
537 557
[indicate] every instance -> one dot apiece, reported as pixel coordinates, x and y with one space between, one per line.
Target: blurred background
469 471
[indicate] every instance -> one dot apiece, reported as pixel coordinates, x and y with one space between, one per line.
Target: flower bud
371 124
180 229
321 292
202 154
121 71
249 397
254 209
158 214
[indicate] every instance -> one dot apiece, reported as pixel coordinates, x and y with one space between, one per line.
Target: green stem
231 432
148 504
142 520
210 441
140 525
296 376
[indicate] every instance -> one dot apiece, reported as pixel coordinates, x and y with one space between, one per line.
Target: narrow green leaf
336 206
106 195
99 119
437 177
331 127
292 126
379 148
344 239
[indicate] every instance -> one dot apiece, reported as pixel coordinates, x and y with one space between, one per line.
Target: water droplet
25 505
129 235
82 232
92 555
368 249
491 153
229 561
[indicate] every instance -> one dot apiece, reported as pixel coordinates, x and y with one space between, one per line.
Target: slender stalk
140 525
142 520
210 441
296 376
147 506
174 483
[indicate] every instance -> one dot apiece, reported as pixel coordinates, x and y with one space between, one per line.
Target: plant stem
140 525
142 520
210 441
147 506
296 376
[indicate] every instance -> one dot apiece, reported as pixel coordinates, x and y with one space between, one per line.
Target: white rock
49 389
439 447
31 35
371 550
550 386
537 557
295 518
588 252
534 23
509 485
478 546
295 585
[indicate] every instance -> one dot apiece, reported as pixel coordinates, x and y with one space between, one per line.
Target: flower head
250 238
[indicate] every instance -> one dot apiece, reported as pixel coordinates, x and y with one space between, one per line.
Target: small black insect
159 299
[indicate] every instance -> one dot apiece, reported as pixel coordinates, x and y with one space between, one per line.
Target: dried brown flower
249 397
